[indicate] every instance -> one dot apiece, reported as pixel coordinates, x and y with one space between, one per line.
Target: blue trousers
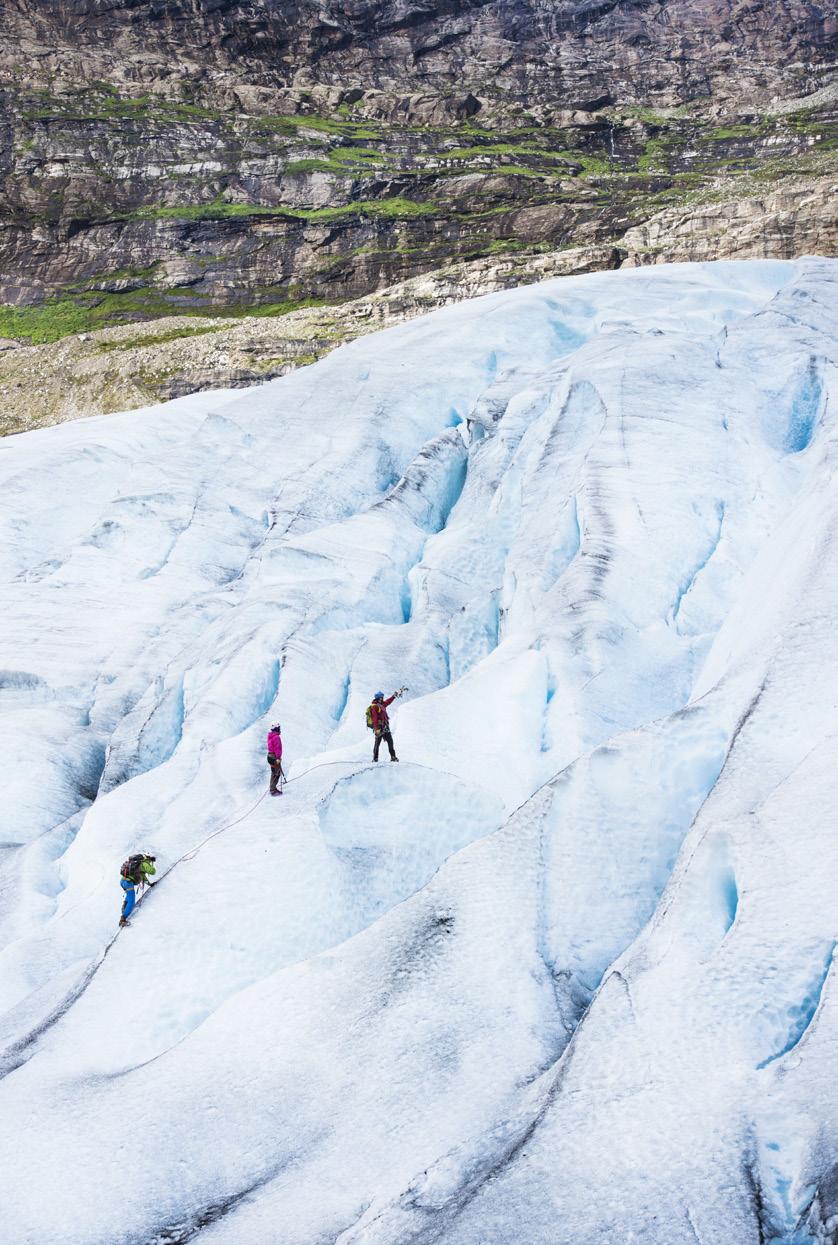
130 897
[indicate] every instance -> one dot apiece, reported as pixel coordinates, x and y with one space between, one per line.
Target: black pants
388 739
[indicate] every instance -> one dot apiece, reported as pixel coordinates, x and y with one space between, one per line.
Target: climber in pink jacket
275 758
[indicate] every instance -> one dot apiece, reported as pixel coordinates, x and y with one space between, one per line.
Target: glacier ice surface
565 973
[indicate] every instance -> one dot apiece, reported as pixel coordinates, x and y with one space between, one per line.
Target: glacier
565 973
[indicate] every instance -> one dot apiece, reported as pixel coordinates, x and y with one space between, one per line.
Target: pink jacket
275 744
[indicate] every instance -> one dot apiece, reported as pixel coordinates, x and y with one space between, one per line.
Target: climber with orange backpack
135 871
379 722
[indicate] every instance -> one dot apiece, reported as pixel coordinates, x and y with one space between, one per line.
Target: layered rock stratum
213 158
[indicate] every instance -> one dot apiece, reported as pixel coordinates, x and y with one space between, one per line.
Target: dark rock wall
571 51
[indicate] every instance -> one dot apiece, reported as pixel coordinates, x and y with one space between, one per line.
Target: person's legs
376 746
274 776
130 898
389 739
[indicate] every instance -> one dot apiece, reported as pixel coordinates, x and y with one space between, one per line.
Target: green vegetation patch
104 103
491 150
724 132
270 310
89 284
592 166
519 170
85 313
807 122
220 210
358 155
341 161
300 360
658 152
157 339
57 317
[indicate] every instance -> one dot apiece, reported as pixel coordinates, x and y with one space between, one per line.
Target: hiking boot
276 793
394 758
123 922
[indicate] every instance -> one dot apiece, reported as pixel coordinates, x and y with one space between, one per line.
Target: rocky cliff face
208 156
569 53
134 365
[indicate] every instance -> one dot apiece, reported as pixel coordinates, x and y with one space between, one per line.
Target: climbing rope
13 1056
193 851
228 825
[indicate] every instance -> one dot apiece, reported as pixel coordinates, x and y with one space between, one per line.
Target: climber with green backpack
379 722
136 871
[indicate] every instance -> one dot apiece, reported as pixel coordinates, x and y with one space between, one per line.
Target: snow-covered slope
562 975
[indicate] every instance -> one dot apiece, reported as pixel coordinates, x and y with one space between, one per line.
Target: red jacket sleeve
390 699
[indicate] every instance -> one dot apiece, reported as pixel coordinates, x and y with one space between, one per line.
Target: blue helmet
378 696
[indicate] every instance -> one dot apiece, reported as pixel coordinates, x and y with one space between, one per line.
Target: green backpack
369 718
